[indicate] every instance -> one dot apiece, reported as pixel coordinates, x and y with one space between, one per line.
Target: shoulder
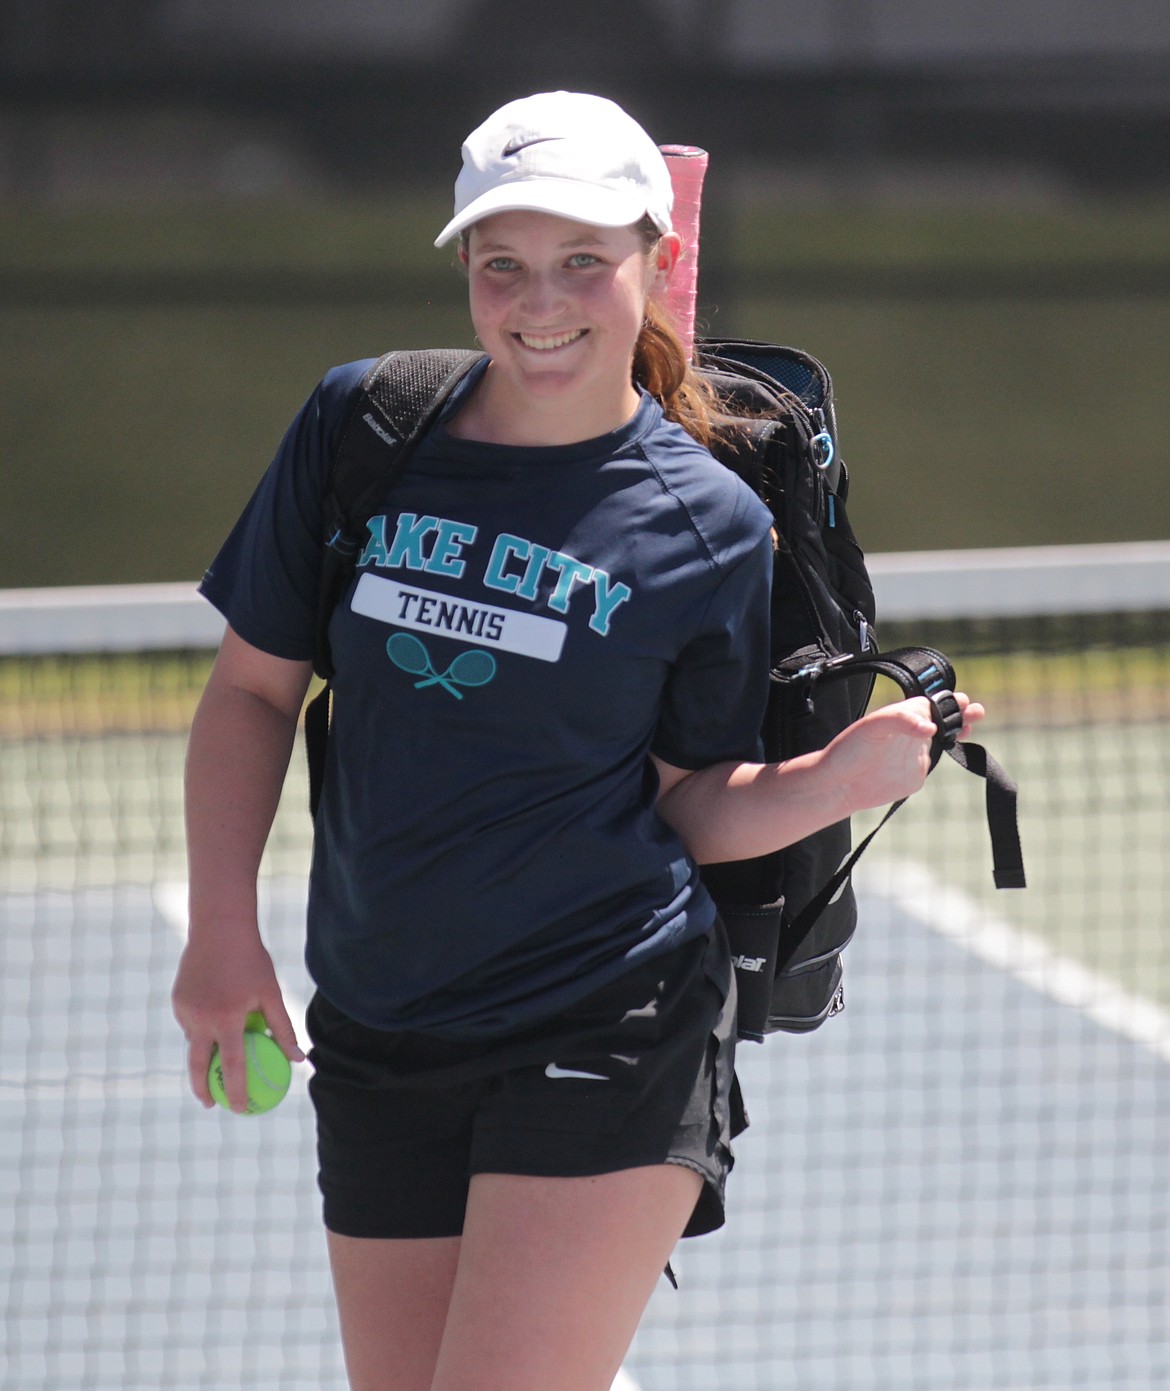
315 432
340 387
721 508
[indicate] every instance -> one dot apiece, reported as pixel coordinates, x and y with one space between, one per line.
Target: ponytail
661 368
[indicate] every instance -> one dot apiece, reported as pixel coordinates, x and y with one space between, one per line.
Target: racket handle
687 165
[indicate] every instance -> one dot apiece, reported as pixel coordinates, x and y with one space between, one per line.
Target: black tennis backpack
789 915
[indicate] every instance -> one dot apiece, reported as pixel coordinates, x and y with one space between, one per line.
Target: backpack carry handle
948 722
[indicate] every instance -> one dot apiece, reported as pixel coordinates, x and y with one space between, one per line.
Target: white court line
170 902
125 1086
953 914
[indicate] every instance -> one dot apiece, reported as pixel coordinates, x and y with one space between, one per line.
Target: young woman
524 1023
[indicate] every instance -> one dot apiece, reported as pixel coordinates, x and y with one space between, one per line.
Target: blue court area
959 1185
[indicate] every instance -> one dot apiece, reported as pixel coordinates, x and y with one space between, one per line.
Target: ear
461 252
666 255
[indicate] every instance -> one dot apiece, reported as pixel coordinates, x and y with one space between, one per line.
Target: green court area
1094 825
91 753
81 810
1079 716
91 772
1000 373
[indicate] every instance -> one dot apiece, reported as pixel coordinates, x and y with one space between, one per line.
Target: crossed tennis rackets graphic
409 654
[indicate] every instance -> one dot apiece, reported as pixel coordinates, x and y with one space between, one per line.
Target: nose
544 296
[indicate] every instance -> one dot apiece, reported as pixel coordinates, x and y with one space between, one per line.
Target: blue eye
500 263
584 259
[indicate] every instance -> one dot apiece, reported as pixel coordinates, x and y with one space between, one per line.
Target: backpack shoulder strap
401 397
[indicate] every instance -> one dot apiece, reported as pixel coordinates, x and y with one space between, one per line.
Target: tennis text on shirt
512 567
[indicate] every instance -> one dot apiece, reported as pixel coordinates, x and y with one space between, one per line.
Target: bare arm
241 740
734 811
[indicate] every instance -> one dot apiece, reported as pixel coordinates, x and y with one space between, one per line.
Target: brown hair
661 366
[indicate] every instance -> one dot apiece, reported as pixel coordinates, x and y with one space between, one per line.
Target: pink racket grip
688 166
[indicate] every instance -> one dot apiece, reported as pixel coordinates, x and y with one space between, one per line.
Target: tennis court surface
960 1184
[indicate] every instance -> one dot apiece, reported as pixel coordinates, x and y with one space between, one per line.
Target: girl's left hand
973 712
885 755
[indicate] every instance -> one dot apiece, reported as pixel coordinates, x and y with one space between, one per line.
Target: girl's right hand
221 980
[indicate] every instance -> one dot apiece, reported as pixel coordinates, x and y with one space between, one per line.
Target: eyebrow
585 239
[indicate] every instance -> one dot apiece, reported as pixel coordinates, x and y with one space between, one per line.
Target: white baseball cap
565 153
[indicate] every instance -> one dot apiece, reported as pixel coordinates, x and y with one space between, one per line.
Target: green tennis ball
269 1073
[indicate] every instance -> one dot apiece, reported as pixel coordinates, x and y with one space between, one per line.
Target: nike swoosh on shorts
552 1070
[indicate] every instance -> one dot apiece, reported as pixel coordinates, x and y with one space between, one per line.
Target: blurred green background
1001 374
963 210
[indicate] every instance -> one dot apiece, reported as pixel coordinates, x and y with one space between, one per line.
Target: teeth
557 340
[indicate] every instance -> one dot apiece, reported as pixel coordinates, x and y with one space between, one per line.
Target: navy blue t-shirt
525 626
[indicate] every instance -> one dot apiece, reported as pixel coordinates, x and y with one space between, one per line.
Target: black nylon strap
404 394
918 671
948 720
316 740
1007 857
794 931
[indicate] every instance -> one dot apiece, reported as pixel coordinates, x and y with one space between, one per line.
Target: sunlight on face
558 305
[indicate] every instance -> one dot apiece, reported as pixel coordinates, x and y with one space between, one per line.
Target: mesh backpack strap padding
410 388
402 396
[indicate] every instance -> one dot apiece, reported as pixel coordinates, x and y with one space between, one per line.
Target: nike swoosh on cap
513 147
552 1070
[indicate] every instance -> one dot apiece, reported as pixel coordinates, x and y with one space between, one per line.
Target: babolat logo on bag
749 963
380 430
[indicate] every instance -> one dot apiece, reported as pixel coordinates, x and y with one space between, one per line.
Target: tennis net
958 1184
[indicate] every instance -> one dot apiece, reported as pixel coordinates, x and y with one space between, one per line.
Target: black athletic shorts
640 1072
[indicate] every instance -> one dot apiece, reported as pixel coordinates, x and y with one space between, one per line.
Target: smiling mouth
547 343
